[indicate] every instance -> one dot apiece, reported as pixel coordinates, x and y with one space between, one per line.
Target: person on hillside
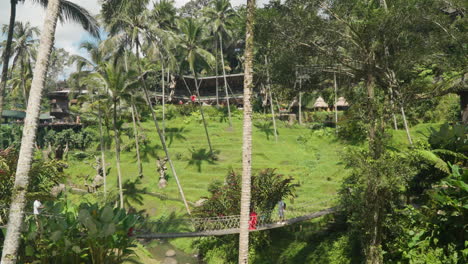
281 208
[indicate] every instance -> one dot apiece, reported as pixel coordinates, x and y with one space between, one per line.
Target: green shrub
88 233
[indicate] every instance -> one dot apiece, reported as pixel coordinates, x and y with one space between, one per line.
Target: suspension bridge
173 227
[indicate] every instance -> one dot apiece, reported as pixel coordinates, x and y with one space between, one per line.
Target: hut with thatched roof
341 104
320 104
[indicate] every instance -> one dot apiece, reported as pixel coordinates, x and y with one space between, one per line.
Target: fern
432 159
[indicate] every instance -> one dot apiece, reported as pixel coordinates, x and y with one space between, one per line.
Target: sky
68 35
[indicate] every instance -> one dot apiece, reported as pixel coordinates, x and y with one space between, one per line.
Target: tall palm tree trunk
225 80
161 136
300 108
103 156
6 52
117 154
335 84
137 141
405 123
12 239
216 72
163 102
202 113
272 108
23 84
247 138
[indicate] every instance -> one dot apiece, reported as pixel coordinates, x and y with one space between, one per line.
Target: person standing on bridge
253 220
281 209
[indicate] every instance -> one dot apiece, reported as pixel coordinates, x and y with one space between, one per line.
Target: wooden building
179 90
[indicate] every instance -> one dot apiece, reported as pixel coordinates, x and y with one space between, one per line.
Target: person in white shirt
37 206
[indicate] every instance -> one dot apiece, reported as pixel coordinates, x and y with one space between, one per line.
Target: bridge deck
231 231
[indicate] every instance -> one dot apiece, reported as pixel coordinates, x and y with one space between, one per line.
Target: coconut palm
162 43
23 49
123 14
68 11
194 55
220 15
117 82
12 239
247 137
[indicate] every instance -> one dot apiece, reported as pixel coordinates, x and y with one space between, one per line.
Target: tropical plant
87 233
68 11
117 82
22 179
268 188
195 56
220 15
23 53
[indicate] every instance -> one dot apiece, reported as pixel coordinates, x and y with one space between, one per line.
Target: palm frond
70 11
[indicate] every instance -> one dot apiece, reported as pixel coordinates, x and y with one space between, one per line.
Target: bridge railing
172 225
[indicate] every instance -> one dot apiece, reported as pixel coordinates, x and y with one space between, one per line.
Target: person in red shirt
193 98
253 221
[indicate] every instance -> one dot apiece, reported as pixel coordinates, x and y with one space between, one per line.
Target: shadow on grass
175 133
267 128
164 197
148 151
171 223
198 156
132 193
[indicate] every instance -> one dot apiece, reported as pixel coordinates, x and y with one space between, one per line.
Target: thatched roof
320 103
342 102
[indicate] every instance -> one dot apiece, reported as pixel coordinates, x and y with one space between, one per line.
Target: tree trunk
247 137
392 104
103 158
405 123
202 113
161 137
336 100
163 102
137 141
23 84
12 239
374 144
225 80
272 108
117 154
300 108
216 72
464 106
6 53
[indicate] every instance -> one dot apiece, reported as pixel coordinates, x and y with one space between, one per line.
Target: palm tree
117 82
23 49
163 22
247 137
220 16
68 11
121 14
12 239
194 54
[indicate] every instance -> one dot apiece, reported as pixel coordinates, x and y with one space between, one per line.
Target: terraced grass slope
311 157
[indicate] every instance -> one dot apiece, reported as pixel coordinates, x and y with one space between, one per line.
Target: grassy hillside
312 158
